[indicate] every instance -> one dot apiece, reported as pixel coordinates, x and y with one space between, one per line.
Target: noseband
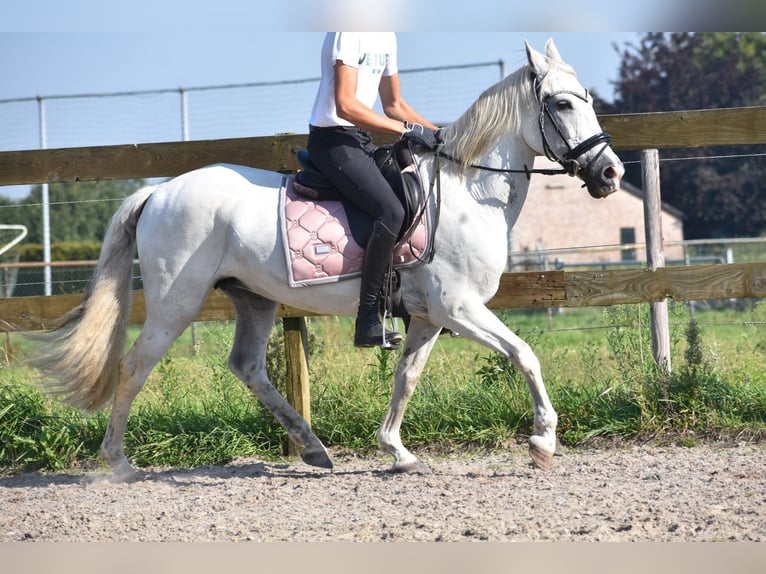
569 161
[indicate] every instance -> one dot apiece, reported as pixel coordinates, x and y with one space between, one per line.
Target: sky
62 48
65 63
58 47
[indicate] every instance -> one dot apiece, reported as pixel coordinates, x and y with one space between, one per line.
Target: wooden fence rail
530 289
629 131
525 290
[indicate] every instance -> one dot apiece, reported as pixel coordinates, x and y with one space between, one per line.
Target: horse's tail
85 348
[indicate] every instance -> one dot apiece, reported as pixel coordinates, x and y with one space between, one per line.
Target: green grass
596 362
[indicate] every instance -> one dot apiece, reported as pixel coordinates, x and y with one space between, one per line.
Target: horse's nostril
612 172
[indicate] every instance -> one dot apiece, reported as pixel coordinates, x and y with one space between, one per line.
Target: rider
356 68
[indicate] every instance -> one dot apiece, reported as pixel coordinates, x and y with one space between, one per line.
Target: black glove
421 135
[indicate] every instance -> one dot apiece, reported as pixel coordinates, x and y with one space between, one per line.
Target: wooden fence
517 290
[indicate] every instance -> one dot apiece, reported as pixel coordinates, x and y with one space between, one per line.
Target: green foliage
38 434
198 413
602 382
629 340
693 352
695 395
79 216
691 71
63 251
78 211
68 279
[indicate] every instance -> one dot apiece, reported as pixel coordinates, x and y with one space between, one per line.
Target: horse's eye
564 104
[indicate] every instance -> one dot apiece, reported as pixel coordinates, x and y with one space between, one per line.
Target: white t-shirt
373 54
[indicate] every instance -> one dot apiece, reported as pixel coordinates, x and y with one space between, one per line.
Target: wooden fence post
655 258
296 357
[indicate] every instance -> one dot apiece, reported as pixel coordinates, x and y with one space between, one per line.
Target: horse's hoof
126 477
316 457
123 472
413 467
541 457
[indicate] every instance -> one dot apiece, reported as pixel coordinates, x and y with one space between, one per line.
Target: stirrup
388 340
396 337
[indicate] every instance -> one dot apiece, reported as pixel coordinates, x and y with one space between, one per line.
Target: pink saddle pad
319 246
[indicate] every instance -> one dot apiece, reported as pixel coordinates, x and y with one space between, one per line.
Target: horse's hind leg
421 337
255 320
151 345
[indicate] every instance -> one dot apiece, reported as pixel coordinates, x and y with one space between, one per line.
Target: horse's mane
497 111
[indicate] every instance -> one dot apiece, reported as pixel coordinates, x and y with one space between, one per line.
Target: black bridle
569 162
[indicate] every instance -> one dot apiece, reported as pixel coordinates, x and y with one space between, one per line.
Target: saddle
324 235
397 162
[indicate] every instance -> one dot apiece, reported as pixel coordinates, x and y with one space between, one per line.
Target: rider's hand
421 135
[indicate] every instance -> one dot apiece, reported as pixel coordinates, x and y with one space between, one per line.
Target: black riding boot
369 329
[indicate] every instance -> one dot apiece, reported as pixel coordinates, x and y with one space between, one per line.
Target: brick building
559 213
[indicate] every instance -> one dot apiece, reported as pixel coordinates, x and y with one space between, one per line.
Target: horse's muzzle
603 181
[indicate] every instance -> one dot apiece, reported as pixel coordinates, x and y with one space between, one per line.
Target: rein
569 162
526 171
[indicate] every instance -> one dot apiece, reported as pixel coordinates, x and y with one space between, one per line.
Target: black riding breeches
345 156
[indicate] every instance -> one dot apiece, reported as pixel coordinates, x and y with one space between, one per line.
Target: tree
685 71
78 211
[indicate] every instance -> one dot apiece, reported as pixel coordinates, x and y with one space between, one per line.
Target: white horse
218 227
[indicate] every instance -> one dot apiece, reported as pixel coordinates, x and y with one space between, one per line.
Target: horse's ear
537 61
552 52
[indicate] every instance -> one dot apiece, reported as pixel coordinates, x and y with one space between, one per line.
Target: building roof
639 193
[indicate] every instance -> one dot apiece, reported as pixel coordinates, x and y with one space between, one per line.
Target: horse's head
568 131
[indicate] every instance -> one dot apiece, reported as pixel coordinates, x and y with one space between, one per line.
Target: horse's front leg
476 322
421 337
